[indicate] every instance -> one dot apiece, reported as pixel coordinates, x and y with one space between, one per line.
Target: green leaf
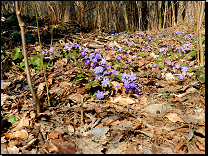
22 64
16 54
91 84
119 76
165 95
183 64
11 18
57 54
142 54
12 119
201 76
138 45
162 65
161 57
116 64
72 55
116 38
80 64
192 53
129 128
94 84
78 77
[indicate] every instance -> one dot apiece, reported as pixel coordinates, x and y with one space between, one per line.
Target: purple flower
105 81
132 76
117 87
87 62
98 70
94 60
118 57
114 72
128 51
77 45
161 50
98 76
155 65
134 56
163 34
181 76
43 52
177 66
185 37
184 69
103 61
130 60
98 56
168 63
99 94
2 81
97 50
126 83
73 46
124 76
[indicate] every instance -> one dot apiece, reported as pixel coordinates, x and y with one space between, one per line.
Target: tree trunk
114 16
190 12
164 22
82 16
160 13
125 17
173 11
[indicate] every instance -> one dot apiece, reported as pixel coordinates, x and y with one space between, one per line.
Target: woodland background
117 15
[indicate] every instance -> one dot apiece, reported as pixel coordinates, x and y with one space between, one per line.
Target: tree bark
22 27
125 17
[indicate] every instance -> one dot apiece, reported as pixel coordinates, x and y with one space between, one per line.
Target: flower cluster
128 84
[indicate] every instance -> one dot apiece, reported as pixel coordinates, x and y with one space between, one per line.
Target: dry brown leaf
40 89
61 145
24 122
115 123
201 147
122 100
173 117
14 143
178 146
107 121
8 135
121 87
177 99
54 135
138 125
21 134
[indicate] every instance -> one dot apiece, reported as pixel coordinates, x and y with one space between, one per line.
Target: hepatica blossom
99 95
181 76
128 84
105 81
184 69
118 57
98 70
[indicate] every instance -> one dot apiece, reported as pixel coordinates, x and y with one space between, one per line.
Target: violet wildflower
99 94
118 57
168 63
105 81
98 70
184 69
181 76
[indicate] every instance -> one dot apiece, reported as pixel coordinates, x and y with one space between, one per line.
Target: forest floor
110 93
